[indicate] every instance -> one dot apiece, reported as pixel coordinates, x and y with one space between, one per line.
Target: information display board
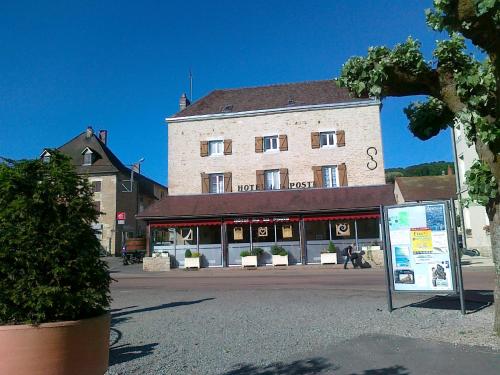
420 249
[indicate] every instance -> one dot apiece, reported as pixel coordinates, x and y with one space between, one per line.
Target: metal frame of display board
452 236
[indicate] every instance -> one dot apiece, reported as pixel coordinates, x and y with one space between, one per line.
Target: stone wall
361 126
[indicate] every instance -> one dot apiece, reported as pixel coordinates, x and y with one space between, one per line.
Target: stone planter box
156 264
249 261
280 260
79 347
328 258
192 263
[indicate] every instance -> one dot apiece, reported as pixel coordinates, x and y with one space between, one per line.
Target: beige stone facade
107 202
362 153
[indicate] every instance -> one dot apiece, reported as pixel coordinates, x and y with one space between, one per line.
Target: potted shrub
54 297
191 260
250 258
280 256
329 255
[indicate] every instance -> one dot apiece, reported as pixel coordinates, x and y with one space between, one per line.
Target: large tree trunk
494 216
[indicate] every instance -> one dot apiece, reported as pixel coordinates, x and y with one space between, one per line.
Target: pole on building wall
458 261
386 259
302 237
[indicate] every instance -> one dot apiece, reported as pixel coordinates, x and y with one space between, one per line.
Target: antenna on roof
190 86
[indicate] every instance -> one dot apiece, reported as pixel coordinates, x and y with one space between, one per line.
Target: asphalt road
297 320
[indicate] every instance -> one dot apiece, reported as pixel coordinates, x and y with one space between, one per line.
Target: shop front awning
343 217
185 224
290 202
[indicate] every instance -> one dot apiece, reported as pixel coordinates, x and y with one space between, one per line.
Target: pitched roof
269 97
427 188
106 161
292 201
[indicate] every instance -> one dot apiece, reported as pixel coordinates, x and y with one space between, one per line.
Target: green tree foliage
459 89
50 269
436 168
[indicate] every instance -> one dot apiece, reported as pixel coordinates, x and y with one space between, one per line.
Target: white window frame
219 147
333 139
332 180
87 154
272 179
218 178
273 143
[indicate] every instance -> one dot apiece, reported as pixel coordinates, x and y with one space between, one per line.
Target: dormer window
45 156
88 156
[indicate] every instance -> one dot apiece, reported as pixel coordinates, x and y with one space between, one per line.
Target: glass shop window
185 236
343 230
262 233
209 234
238 233
287 232
317 230
368 228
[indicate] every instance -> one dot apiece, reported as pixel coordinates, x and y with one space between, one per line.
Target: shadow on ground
394 370
159 307
126 353
475 300
302 367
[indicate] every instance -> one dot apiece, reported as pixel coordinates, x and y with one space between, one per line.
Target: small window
96 186
327 139
215 147
46 158
217 183
87 158
272 180
271 143
330 177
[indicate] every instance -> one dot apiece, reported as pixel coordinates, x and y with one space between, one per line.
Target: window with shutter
228 183
271 143
330 176
259 180
317 176
203 148
205 183
228 146
315 139
283 138
340 138
215 148
272 179
259 144
342 174
284 180
327 139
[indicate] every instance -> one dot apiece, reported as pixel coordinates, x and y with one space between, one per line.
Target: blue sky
122 66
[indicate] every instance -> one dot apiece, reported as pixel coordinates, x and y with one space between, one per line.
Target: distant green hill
436 168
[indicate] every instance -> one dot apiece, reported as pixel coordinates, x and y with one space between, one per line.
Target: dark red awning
185 224
343 217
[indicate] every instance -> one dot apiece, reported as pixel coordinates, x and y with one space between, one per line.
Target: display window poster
420 248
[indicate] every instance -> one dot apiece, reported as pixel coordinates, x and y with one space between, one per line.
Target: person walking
348 256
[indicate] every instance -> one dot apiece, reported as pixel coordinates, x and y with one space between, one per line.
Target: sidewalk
387 355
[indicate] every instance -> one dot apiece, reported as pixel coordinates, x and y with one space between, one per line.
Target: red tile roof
270 202
427 188
269 97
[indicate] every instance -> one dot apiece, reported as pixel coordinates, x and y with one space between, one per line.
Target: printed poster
420 248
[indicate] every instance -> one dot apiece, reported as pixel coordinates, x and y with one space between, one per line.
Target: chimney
89 132
103 136
183 102
450 171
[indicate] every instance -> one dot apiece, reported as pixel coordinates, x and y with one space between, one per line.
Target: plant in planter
192 260
55 287
280 256
250 258
329 255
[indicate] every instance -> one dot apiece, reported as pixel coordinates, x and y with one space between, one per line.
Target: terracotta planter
79 347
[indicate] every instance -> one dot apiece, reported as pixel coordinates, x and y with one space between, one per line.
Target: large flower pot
249 261
79 347
192 262
328 258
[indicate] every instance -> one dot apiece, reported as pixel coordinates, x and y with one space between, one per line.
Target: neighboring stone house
475 219
114 192
424 188
294 165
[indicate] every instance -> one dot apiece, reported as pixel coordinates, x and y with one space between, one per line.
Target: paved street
298 320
